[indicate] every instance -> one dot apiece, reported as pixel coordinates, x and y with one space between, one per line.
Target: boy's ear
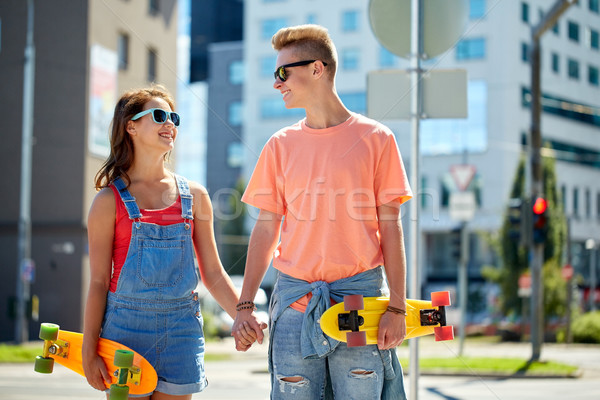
318 69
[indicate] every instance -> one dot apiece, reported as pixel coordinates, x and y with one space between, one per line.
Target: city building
494 50
86 54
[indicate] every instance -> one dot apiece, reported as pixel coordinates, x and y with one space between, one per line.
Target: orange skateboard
356 319
132 373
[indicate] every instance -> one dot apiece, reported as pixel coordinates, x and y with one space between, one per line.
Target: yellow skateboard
356 320
131 373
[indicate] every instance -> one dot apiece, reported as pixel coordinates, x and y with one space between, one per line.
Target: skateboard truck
350 321
431 317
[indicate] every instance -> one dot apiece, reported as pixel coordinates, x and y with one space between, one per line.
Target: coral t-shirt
165 216
328 183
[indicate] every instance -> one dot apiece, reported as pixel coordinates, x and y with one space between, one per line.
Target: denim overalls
154 309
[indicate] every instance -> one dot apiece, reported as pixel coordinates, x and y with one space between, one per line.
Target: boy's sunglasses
282 74
159 116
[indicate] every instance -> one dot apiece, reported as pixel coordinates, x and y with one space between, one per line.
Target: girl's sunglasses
282 74
159 116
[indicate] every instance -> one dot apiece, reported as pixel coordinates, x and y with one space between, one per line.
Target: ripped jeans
356 373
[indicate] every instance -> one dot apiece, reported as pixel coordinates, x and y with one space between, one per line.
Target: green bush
586 328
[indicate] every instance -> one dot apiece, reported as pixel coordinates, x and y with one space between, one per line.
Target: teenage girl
143 228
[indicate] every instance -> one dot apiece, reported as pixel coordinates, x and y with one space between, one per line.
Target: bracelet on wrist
245 305
395 310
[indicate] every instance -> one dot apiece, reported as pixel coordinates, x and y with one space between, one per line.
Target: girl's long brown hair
121 147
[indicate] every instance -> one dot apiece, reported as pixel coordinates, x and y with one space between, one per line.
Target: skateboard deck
356 320
131 373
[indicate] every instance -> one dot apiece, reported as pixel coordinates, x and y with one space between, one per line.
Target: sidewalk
584 356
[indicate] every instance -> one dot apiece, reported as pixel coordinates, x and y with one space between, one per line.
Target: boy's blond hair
309 42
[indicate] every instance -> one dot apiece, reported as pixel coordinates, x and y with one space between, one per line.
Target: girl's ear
130 128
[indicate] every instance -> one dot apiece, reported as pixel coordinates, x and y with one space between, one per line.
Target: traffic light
455 243
515 206
540 220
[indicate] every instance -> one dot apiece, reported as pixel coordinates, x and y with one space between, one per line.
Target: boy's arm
392 326
263 241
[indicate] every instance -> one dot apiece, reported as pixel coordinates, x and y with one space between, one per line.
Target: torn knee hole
291 379
361 373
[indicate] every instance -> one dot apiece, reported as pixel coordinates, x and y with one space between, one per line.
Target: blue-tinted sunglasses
159 116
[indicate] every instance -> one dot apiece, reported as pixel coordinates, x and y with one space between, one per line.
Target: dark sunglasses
159 116
282 74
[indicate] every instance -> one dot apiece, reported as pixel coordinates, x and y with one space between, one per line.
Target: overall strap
187 200
132 208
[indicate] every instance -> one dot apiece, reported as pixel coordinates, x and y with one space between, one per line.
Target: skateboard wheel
443 333
123 358
49 331
356 339
44 365
440 299
353 302
118 392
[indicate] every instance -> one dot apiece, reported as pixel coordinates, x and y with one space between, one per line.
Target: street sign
443 23
462 206
444 94
462 174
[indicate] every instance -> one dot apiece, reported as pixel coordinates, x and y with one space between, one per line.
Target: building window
350 21
598 204
555 28
350 59
525 12
573 68
271 26
563 194
356 102
576 202
573 31
588 203
267 66
152 58
123 51
273 107
594 39
234 115
594 6
236 72
386 58
555 63
525 53
470 49
592 75
235 155
476 9
153 7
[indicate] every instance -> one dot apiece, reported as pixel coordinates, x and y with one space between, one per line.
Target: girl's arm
101 227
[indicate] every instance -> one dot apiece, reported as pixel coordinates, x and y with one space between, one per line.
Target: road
245 377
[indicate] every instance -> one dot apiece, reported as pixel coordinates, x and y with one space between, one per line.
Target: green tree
514 255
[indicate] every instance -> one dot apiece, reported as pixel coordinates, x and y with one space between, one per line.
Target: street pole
415 115
590 244
24 238
569 335
537 185
463 284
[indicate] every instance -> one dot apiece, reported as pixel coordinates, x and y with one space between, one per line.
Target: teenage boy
331 185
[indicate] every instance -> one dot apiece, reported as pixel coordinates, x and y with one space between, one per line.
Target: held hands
247 329
392 330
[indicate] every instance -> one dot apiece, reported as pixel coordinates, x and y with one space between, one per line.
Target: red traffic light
540 206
